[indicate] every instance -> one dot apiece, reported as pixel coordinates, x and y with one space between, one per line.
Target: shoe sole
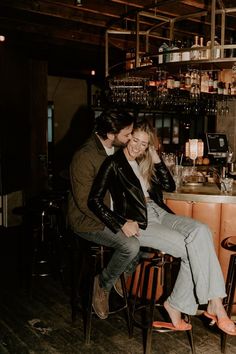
101 317
118 292
94 308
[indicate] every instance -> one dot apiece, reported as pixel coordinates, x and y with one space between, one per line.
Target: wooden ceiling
69 35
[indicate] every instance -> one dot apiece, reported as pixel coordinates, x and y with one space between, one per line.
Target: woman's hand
154 155
130 228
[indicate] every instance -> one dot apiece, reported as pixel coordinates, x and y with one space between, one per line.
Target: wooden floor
41 324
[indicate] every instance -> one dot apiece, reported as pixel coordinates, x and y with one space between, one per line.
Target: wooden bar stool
156 270
88 259
229 244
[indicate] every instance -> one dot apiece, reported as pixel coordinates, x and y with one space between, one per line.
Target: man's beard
118 143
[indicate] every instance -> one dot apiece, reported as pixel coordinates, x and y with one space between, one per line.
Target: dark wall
21 114
15 128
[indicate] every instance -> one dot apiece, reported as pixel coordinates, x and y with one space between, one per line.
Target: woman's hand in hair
154 155
130 228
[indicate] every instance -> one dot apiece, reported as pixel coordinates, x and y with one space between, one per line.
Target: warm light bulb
78 2
2 38
93 72
193 148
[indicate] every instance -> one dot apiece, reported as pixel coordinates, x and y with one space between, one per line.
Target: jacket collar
98 144
125 167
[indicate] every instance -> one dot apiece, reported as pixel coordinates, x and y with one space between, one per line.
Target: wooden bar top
209 193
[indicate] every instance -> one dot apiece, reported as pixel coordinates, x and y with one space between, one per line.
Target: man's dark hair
112 122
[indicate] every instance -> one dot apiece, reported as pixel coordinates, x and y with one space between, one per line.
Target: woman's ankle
174 314
216 307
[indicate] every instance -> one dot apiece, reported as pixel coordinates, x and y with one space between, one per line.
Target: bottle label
185 56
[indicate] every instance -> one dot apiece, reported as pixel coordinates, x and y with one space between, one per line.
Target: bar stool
156 268
88 259
46 225
229 244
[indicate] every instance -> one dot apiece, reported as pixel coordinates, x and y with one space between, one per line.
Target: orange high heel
222 323
183 326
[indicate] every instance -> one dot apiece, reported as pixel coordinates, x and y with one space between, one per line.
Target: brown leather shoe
100 300
118 286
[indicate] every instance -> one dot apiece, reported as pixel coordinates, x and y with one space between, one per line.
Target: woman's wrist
154 155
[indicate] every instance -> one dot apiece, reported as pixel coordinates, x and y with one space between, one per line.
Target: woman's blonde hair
145 161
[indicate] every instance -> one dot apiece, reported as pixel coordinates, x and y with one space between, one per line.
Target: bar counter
207 204
209 192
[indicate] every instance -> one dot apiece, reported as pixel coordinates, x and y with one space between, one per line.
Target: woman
135 177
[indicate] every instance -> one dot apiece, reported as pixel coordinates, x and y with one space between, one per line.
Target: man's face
122 138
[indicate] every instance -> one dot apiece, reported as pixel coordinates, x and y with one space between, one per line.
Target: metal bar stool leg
141 271
89 304
148 344
191 341
230 290
124 289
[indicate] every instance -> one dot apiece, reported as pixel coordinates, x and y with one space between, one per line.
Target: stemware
226 107
221 109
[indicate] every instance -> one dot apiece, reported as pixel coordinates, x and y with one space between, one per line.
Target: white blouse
143 182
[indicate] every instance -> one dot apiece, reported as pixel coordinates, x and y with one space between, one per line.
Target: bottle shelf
175 67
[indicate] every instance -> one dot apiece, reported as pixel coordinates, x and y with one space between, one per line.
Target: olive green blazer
83 169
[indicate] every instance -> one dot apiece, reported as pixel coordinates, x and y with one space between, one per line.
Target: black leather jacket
117 176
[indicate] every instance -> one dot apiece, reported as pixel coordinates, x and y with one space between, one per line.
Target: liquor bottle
187 80
174 57
233 80
230 53
225 89
146 60
170 82
182 81
195 84
130 59
210 83
204 81
202 55
186 54
163 58
220 87
195 54
215 82
216 51
177 82
217 48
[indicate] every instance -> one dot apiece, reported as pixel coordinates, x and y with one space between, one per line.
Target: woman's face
137 145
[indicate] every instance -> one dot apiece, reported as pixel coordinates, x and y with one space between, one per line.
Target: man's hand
130 228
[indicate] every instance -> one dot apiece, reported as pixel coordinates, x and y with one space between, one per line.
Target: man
112 129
